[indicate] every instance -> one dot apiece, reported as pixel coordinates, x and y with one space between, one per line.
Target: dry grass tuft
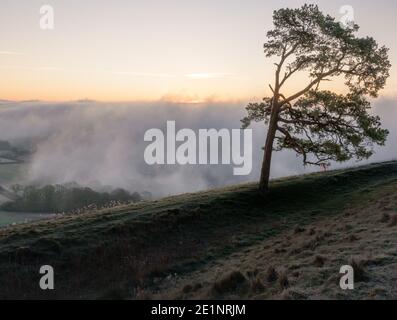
291 294
187 288
271 274
353 238
280 250
115 293
360 273
319 261
252 274
285 295
142 294
231 282
283 281
377 292
312 232
385 218
197 286
393 221
191 288
256 285
298 229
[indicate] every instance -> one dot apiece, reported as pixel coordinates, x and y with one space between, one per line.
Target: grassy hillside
223 243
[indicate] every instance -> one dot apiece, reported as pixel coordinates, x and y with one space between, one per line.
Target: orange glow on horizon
140 51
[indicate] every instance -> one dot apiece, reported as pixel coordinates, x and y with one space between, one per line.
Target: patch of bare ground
304 263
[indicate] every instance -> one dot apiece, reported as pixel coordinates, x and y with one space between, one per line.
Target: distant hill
224 243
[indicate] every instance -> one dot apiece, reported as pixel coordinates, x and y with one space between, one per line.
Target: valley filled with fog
101 145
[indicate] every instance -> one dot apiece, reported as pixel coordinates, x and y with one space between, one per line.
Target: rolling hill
223 243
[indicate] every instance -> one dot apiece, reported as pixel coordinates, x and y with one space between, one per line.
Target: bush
61 198
229 283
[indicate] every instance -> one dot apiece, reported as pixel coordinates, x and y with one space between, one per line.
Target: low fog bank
102 145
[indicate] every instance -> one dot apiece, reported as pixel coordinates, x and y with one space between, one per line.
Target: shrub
229 283
61 198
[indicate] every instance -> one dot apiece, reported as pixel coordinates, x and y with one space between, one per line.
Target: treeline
63 199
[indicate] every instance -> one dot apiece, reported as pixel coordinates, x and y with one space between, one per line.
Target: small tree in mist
318 124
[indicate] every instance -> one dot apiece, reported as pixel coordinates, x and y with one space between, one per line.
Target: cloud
11 53
203 76
32 68
145 74
98 144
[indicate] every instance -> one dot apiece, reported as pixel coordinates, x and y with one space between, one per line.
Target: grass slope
223 243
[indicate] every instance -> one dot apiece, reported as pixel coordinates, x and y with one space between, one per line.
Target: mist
102 144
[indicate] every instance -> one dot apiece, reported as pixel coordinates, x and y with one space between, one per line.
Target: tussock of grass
319 261
271 274
256 285
393 221
283 280
142 294
385 217
285 295
353 238
299 229
360 273
187 288
230 283
312 232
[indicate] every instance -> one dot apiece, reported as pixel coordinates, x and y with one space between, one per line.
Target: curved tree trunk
267 157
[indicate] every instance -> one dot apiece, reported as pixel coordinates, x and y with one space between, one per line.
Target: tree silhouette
318 124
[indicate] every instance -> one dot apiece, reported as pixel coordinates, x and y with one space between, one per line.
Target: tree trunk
267 157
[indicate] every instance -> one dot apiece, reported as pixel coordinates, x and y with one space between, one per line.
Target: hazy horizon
101 144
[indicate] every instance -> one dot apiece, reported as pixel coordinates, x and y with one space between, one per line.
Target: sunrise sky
179 50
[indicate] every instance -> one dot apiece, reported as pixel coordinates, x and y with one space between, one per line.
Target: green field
221 243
